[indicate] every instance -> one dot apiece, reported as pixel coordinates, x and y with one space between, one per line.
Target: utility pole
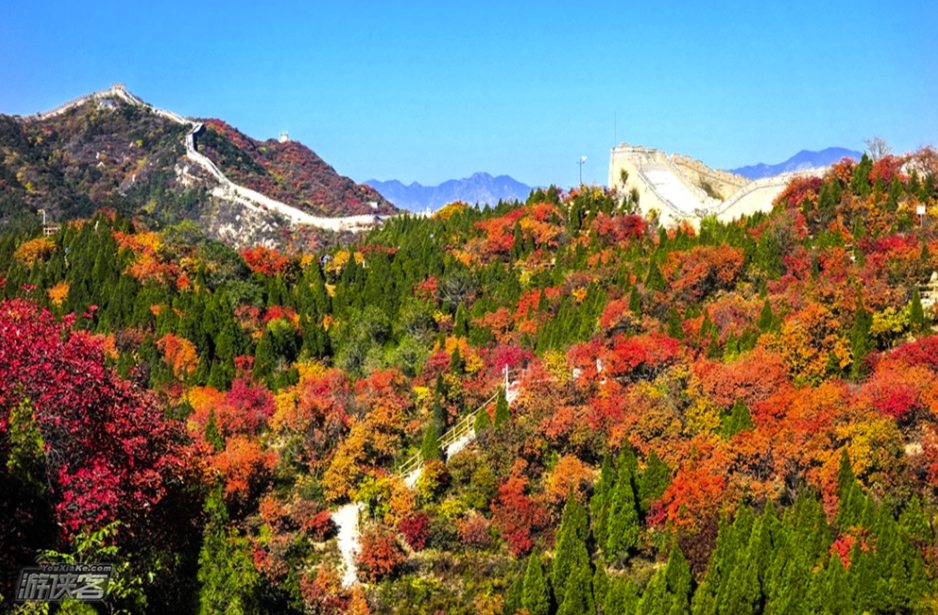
581 161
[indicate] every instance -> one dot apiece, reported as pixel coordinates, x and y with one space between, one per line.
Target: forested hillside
110 153
738 419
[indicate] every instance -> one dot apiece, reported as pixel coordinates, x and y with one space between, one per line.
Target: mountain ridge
480 187
804 159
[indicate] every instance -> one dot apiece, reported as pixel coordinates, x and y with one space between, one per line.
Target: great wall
226 189
677 188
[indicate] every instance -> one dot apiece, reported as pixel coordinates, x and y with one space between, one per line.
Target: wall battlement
678 188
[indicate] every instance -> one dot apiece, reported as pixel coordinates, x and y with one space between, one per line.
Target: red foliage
619 229
110 454
380 554
752 379
517 516
919 352
264 260
886 168
799 189
474 532
416 530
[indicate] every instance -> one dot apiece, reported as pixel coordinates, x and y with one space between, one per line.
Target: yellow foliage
34 250
889 324
451 509
448 211
204 398
703 416
441 318
401 501
579 294
310 369
555 362
430 479
58 293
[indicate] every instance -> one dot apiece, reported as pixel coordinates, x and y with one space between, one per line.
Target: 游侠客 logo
59 582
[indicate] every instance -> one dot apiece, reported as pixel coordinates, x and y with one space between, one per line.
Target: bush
380 554
416 530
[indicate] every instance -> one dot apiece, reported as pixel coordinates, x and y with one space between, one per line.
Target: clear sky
430 91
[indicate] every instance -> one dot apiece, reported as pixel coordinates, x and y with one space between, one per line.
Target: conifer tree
916 313
571 553
502 413
600 582
731 352
713 349
675 326
212 435
635 302
622 597
515 595
228 578
461 323
738 420
766 318
623 524
535 597
599 503
860 342
482 422
578 595
430 449
655 280
653 482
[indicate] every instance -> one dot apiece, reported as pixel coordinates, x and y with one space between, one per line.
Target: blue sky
430 91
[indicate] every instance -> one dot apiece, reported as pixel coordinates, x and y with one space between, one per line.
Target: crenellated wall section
678 188
226 189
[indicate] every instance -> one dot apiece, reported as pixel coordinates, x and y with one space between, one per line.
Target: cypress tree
916 313
766 318
838 591
535 597
212 434
713 349
655 280
653 482
502 413
635 302
515 595
599 503
430 449
622 597
860 343
679 581
655 599
731 352
482 422
227 576
578 596
461 325
738 420
675 326
914 523
571 553
623 513
600 582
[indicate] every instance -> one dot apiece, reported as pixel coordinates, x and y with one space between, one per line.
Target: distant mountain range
802 160
479 188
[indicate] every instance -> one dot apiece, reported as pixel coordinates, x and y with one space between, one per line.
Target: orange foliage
35 250
245 468
179 353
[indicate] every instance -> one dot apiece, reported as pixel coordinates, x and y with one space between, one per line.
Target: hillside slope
111 149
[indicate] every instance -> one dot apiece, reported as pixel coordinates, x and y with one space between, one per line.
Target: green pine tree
212 435
916 313
622 597
571 553
502 413
229 581
430 449
578 596
738 420
483 421
766 318
635 302
653 482
623 525
860 341
535 596
675 325
599 503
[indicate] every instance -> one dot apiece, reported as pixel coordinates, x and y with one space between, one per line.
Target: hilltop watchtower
284 137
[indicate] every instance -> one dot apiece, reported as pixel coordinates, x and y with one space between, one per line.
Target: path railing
463 427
